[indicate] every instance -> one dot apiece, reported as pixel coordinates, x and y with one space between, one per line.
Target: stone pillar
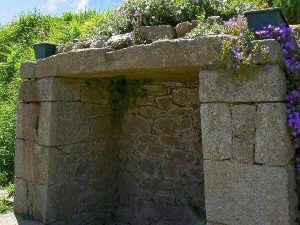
64 172
249 176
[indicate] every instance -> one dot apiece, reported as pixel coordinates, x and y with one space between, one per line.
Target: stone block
27 70
95 91
31 162
257 86
216 131
183 28
243 120
70 122
186 96
155 33
28 121
243 150
273 140
50 89
238 194
31 200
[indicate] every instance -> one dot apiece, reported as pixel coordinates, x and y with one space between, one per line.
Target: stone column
249 176
64 172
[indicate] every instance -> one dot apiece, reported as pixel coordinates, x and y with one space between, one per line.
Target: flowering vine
291 53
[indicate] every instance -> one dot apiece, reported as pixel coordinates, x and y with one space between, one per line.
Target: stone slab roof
167 59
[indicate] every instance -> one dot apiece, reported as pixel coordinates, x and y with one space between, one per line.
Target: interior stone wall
160 155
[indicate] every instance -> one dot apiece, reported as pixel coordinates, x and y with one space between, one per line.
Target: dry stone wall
83 157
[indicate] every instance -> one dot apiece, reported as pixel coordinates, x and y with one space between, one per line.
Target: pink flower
136 13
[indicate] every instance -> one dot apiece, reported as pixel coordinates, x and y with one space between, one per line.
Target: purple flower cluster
291 52
293 100
290 49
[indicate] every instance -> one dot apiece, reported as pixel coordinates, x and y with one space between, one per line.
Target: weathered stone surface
12 219
30 199
243 150
216 86
95 91
136 125
216 131
154 33
214 20
71 122
120 41
99 43
50 89
28 121
32 162
243 120
186 96
183 28
274 50
273 141
72 47
245 194
27 70
151 61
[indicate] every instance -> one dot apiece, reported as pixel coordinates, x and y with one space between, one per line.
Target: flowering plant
238 53
291 53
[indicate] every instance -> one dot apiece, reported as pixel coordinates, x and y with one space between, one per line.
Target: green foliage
16 40
291 9
204 29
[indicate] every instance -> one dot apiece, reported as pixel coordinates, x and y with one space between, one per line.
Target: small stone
155 33
183 28
136 125
214 20
165 102
186 96
165 126
99 43
120 41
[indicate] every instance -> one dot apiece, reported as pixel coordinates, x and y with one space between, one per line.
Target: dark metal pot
44 50
261 18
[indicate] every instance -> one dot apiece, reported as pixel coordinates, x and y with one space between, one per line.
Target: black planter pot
262 18
44 50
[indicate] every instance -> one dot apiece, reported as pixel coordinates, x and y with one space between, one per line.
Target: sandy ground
11 219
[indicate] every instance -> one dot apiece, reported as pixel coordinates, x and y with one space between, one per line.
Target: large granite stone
182 57
216 131
273 140
28 121
72 122
50 89
258 85
27 70
238 194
